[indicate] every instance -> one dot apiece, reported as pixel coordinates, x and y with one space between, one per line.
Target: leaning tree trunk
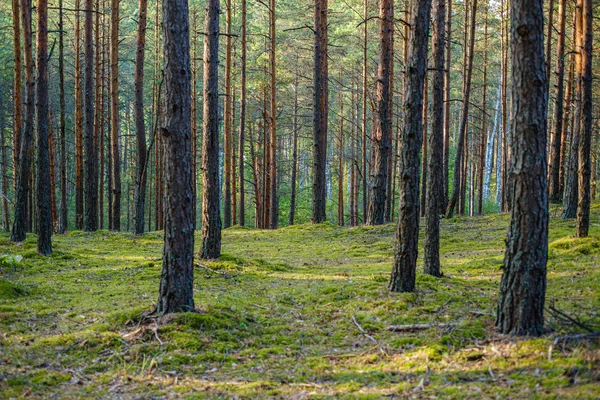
211 217
555 145
43 201
523 286
320 112
21 209
584 173
383 129
407 234
177 277
91 159
435 185
140 128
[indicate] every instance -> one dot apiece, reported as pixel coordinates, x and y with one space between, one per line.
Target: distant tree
320 112
211 217
407 235
523 285
43 189
176 292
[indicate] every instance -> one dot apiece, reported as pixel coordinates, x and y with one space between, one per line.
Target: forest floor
301 312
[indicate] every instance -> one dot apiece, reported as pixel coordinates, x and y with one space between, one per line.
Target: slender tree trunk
340 199
177 278
523 286
140 128
504 171
483 137
567 116
320 112
18 96
584 173
424 148
227 119
64 203
211 217
464 117
435 187
407 235
22 194
555 145
364 114
115 203
447 122
242 118
91 159
294 154
549 39
43 190
78 123
52 161
274 197
383 128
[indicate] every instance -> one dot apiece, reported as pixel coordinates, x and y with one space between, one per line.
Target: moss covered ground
300 312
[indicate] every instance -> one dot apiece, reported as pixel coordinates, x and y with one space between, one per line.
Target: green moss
10 290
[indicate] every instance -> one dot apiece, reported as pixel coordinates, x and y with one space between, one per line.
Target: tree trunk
458 176
567 117
424 148
555 145
227 119
18 95
382 136
340 199
140 128
211 217
22 195
364 114
549 39
435 186
523 286
274 197
177 277
91 159
115 203
242 119
294 154
43 190
483 137
447 121
407 235
584 173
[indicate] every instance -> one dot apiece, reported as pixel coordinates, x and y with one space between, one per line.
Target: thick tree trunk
584 173
407 235
462 132
140 128
523 286
242 184
177 277
435 186
320 112
555 145
115 152
91 159
43 190
383 128
22 194
211 216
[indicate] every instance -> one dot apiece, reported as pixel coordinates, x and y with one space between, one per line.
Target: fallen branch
416 327
361 329
559 315
216 272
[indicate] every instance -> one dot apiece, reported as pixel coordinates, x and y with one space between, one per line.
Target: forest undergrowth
303 311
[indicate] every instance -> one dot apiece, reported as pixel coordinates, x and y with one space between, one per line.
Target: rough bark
115 203
407 234
43 200
211 217
382 135
140 128
91 158
435 186
17 90
523 285
320 112
22 194
177 277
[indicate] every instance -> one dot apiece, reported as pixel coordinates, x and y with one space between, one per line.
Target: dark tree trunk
18 94
407 235
140 128
294 154
462 130
91 159
273 193
211 217
177 277
5 206
435 186
523 286
115 152
64 203
556 137
320 112
22 195
567 117
584 173
383 129
242 137
446 167
43 190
